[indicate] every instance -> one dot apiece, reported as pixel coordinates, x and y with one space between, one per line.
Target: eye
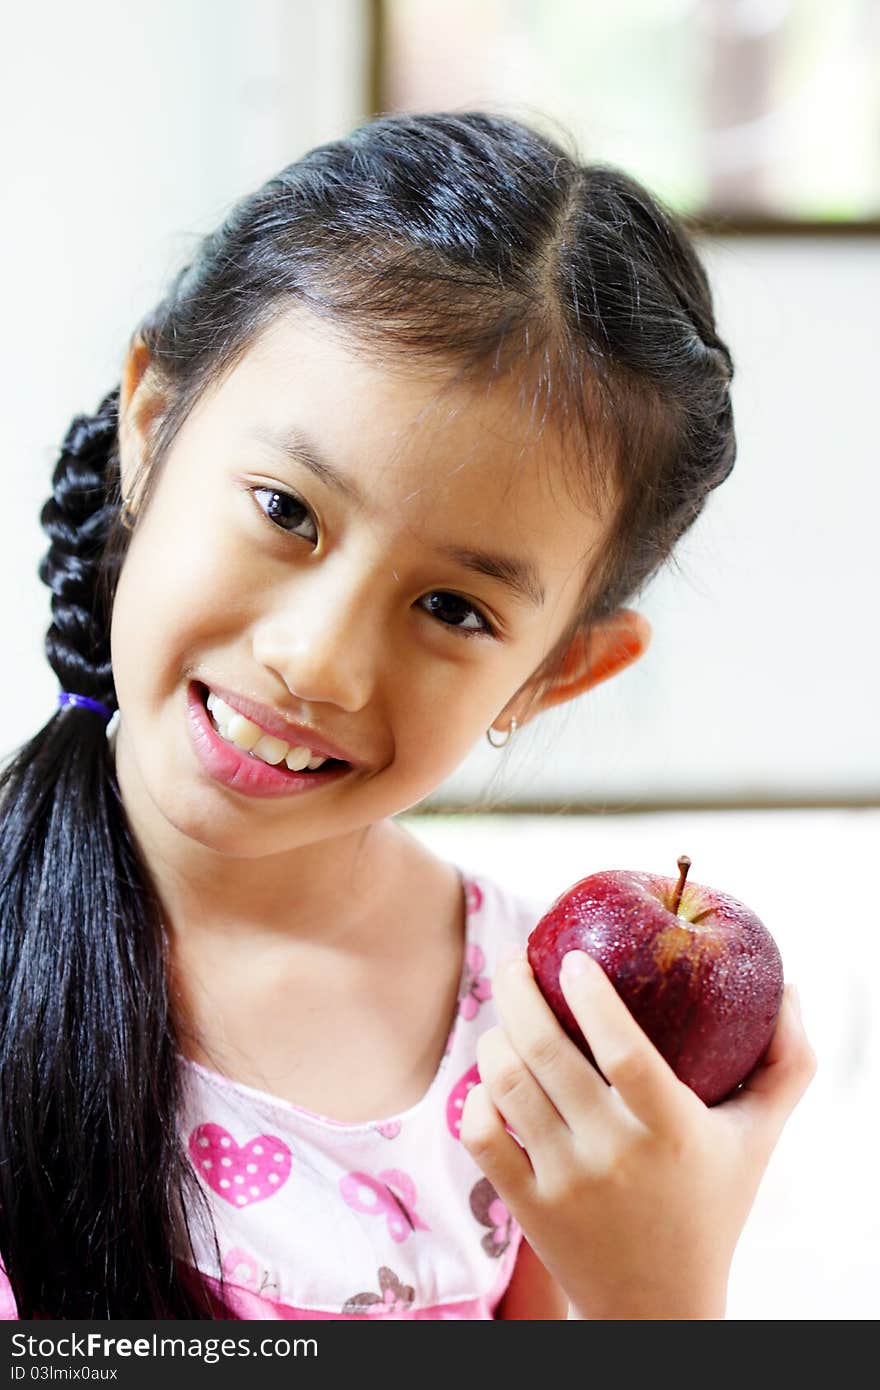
454 611
286 511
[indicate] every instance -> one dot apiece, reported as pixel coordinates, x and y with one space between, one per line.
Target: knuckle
565 1186
545 1051
509 1080
599 1165
680 1148
500 1067
477 1129
628 1068
561 1192
477 1136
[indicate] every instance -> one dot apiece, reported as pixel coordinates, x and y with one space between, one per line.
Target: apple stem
683 865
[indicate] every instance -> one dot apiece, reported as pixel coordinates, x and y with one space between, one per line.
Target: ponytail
92 1173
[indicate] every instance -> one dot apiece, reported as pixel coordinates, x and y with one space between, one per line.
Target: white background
128 132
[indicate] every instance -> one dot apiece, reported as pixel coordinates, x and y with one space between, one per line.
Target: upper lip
297 735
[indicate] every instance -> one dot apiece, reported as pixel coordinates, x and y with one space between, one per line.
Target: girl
382 471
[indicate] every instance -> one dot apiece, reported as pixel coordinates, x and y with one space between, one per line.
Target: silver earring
126 515
511 730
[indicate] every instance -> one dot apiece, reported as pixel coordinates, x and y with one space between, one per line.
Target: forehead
421 450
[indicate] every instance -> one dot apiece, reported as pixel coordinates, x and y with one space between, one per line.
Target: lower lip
236 769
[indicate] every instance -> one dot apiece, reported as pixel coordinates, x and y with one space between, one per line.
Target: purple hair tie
66 698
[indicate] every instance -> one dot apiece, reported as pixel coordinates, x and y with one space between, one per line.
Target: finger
768 1096
517 1095
484 1135
572 1084
624 1053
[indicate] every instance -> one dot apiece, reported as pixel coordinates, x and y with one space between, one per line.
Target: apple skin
705 984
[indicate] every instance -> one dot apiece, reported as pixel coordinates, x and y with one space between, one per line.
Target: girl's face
394 594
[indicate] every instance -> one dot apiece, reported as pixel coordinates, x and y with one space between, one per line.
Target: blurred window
753 110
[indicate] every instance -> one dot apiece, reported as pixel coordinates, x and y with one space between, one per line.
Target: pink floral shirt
387 1218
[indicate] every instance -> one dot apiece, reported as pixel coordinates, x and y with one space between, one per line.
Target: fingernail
576 963
795 998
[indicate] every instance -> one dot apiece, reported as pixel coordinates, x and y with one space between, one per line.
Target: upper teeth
250 738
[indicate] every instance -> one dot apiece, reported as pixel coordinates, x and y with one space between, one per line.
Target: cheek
443 710
178 585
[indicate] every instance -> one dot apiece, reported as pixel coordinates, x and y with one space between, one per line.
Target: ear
140 403
611 645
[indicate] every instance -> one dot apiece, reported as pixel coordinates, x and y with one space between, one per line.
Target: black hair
465 239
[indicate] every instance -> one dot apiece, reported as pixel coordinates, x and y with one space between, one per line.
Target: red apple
700 973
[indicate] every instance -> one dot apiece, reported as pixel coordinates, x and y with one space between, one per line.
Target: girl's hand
633 1195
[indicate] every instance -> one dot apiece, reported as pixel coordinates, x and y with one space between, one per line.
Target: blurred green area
770 108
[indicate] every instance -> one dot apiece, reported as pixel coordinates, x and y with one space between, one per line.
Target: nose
323 639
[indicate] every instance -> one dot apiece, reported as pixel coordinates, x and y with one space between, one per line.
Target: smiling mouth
249 739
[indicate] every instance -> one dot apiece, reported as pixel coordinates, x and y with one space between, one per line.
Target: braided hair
466 239
83 968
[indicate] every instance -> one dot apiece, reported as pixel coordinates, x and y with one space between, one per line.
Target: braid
78 518
89 1081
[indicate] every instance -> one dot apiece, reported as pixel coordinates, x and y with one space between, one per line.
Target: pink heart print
240 1173
455 1103
241 1266
390 1129
473 896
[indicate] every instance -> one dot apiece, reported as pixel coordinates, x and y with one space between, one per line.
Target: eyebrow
519 575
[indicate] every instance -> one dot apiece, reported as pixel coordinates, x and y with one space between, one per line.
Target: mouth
236 752
252 741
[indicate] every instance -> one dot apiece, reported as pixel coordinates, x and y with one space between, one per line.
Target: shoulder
498 916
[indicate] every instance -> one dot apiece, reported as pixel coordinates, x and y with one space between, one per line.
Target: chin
223 830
